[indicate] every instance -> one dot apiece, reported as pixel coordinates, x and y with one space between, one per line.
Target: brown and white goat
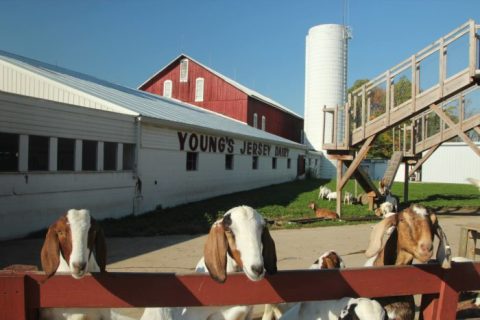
328 260
323 213
240 241
75 244
410 236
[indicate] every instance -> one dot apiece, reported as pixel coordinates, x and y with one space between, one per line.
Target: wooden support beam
405 183
455 128
356 162
477 129
339 189
348 157
423 159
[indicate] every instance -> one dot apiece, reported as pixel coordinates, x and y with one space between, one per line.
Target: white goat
323 192
409 235
240 241
345 308
328 260
332 196
384 209
75 244
347 198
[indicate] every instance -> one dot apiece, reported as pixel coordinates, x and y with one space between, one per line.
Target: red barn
190 81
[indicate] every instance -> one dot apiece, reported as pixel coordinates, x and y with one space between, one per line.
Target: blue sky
260 44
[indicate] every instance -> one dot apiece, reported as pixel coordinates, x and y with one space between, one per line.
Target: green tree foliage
402 92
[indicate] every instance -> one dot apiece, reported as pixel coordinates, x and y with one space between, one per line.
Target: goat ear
100 246
50 254
376 237
215 252
444 251
269 253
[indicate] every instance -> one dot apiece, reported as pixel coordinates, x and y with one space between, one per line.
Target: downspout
137 197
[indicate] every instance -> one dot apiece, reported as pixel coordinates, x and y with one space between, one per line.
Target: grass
280 202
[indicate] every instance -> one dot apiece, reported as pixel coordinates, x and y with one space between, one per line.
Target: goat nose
426 246
257 269
79 265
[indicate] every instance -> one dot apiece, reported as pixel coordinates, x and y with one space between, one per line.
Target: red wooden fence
21 294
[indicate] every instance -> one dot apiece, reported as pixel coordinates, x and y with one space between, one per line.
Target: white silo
325 82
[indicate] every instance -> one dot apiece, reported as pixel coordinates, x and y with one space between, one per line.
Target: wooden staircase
398 96
392 168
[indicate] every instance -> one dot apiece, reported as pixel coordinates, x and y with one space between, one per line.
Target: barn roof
30 77
252 93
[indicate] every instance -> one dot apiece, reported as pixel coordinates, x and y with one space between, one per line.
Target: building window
255 162
109 156
128 156
167 88
8 152
263 123
199 89
316 162
255 120
192 161
184 70
89 155
229 162
289 163
38 150
274 163
66 154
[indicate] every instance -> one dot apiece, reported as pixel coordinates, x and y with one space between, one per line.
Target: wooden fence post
12 297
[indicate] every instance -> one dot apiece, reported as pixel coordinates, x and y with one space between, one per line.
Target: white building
68 140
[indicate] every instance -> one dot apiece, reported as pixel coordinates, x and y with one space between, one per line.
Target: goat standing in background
410 235
323 192
240 241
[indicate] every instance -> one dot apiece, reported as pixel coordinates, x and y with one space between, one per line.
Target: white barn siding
166 182
453 162
32 200
14 79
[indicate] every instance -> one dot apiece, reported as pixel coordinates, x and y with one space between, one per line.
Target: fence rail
22 294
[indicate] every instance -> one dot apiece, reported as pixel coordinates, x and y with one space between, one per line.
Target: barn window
192 161
109 156
255 120
255 162
38 150
9 152
89 155
199 89
66 154
128 156
167 88
229 162
184 70
263 123
274 163
289 163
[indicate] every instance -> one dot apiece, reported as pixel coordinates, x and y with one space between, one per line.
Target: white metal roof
249 92
120 99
